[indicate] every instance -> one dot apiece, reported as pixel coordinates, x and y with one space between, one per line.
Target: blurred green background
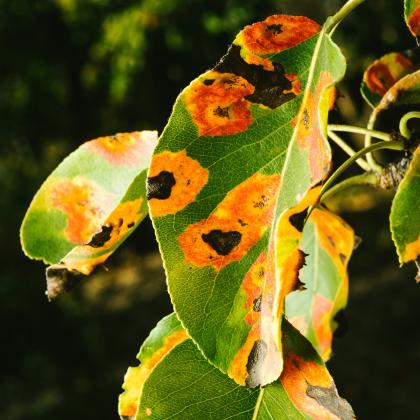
72 70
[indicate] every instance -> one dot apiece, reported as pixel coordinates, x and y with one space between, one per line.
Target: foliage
237 190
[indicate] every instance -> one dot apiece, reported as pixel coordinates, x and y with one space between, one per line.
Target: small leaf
412 16
245 144
167 334
383 73
184 385
328 243
405 213
88 206
403 97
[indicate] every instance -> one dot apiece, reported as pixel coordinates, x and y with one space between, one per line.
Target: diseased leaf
242 150
184 385
167 334
412 16
383 73
328 243
405 213
403 97
88 206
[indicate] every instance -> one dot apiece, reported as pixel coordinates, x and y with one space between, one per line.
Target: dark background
71 70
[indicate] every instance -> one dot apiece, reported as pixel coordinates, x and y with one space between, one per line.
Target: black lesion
298 220
343 258
222 242
275 28
160 186
255 362
269 85
208 82
257 304
306 119
102 237
329 399
221 112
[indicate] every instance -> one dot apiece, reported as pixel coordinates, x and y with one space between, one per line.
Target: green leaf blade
224 171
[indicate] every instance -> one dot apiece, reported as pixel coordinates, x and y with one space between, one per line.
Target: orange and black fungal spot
328 397
100 238
255 361
272 87
217 104
298 220
160 186
235 226
256 304
222 242
173 182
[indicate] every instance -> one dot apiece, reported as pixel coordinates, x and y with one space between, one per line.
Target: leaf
244 146
328 242
186 386
383 73
403 97
412 16
167 334
405 213
88 206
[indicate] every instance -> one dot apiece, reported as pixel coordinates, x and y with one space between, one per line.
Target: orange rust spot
135 377
411 251
217 105
382 74
297 374
336 237
321 321
121 221
125 148
252 286
190 177
296 85
247 211
237 369
275 34
85 204
309 134
414 22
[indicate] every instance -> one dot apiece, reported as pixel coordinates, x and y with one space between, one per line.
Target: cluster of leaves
256 264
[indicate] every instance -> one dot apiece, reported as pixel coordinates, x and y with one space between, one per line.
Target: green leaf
230 181
405 213
328 242
383 73
412 16
183 385
88 206
167 334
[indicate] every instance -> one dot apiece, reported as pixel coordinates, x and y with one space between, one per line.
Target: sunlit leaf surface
231 179
183 385
328 242
89 205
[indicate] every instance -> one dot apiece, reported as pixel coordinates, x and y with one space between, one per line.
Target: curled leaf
88 206
328 243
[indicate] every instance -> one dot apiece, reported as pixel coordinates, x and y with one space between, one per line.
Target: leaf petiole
349 150
392 145
403 123
360 130
335 20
